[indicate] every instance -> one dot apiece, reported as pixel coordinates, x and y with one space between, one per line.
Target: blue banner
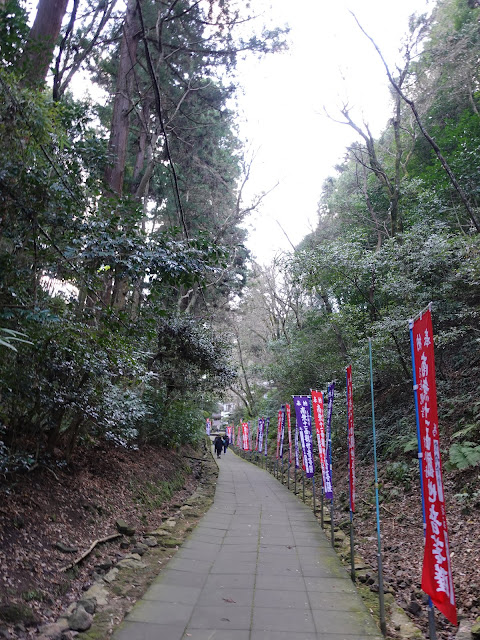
267 424
304 422
328 438
261 426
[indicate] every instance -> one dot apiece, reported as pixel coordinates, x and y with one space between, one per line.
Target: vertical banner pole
322 524
352 545
313 477
432 632
332 534
381 596
296 457
303 480
313 492
352 549
328 488
288 475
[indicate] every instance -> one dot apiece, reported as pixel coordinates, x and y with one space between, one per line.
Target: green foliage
13 31
399 473
10 337
464 455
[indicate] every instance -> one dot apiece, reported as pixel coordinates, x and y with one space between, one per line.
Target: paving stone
215 634
288 583
227 597
183 578
190 565
220 618
173 593
144 631
283 599
230 580
233 566
160 613
286 635
274 619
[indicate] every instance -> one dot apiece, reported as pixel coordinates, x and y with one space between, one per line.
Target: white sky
329 63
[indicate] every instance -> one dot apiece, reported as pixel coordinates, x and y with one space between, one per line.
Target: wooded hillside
397 229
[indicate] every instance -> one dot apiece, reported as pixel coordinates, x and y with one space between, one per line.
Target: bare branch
427 136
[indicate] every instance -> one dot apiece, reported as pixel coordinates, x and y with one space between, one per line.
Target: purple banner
304 422
328 438
249 435
282 435
261 427
267 424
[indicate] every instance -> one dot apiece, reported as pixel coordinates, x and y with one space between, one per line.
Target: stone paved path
257 567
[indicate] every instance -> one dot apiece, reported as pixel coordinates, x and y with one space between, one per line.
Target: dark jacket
218 444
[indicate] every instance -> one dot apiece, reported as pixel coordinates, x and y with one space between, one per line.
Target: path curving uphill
257 567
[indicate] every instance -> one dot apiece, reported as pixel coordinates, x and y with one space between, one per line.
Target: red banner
351 438
279 431
289 428
245 436
319 418
437 579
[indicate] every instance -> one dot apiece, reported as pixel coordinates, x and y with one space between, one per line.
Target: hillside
74 505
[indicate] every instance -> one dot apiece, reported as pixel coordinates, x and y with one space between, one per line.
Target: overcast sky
284 98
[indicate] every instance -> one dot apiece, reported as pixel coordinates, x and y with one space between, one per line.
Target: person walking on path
218 444
226 442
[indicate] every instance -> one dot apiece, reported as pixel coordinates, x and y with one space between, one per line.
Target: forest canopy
120 226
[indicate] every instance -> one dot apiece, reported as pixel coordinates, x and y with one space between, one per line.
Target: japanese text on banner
267 424
261 428
437 574
245 441
289 428
351 438
279 431
282 431
304 422
319 418
328 435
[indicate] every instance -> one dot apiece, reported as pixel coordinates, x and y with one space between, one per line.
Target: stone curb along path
104 605
257 567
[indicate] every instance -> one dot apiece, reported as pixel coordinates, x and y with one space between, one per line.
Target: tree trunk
114 173
38 52
118 145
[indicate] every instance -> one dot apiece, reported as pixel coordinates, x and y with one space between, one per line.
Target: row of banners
436 574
